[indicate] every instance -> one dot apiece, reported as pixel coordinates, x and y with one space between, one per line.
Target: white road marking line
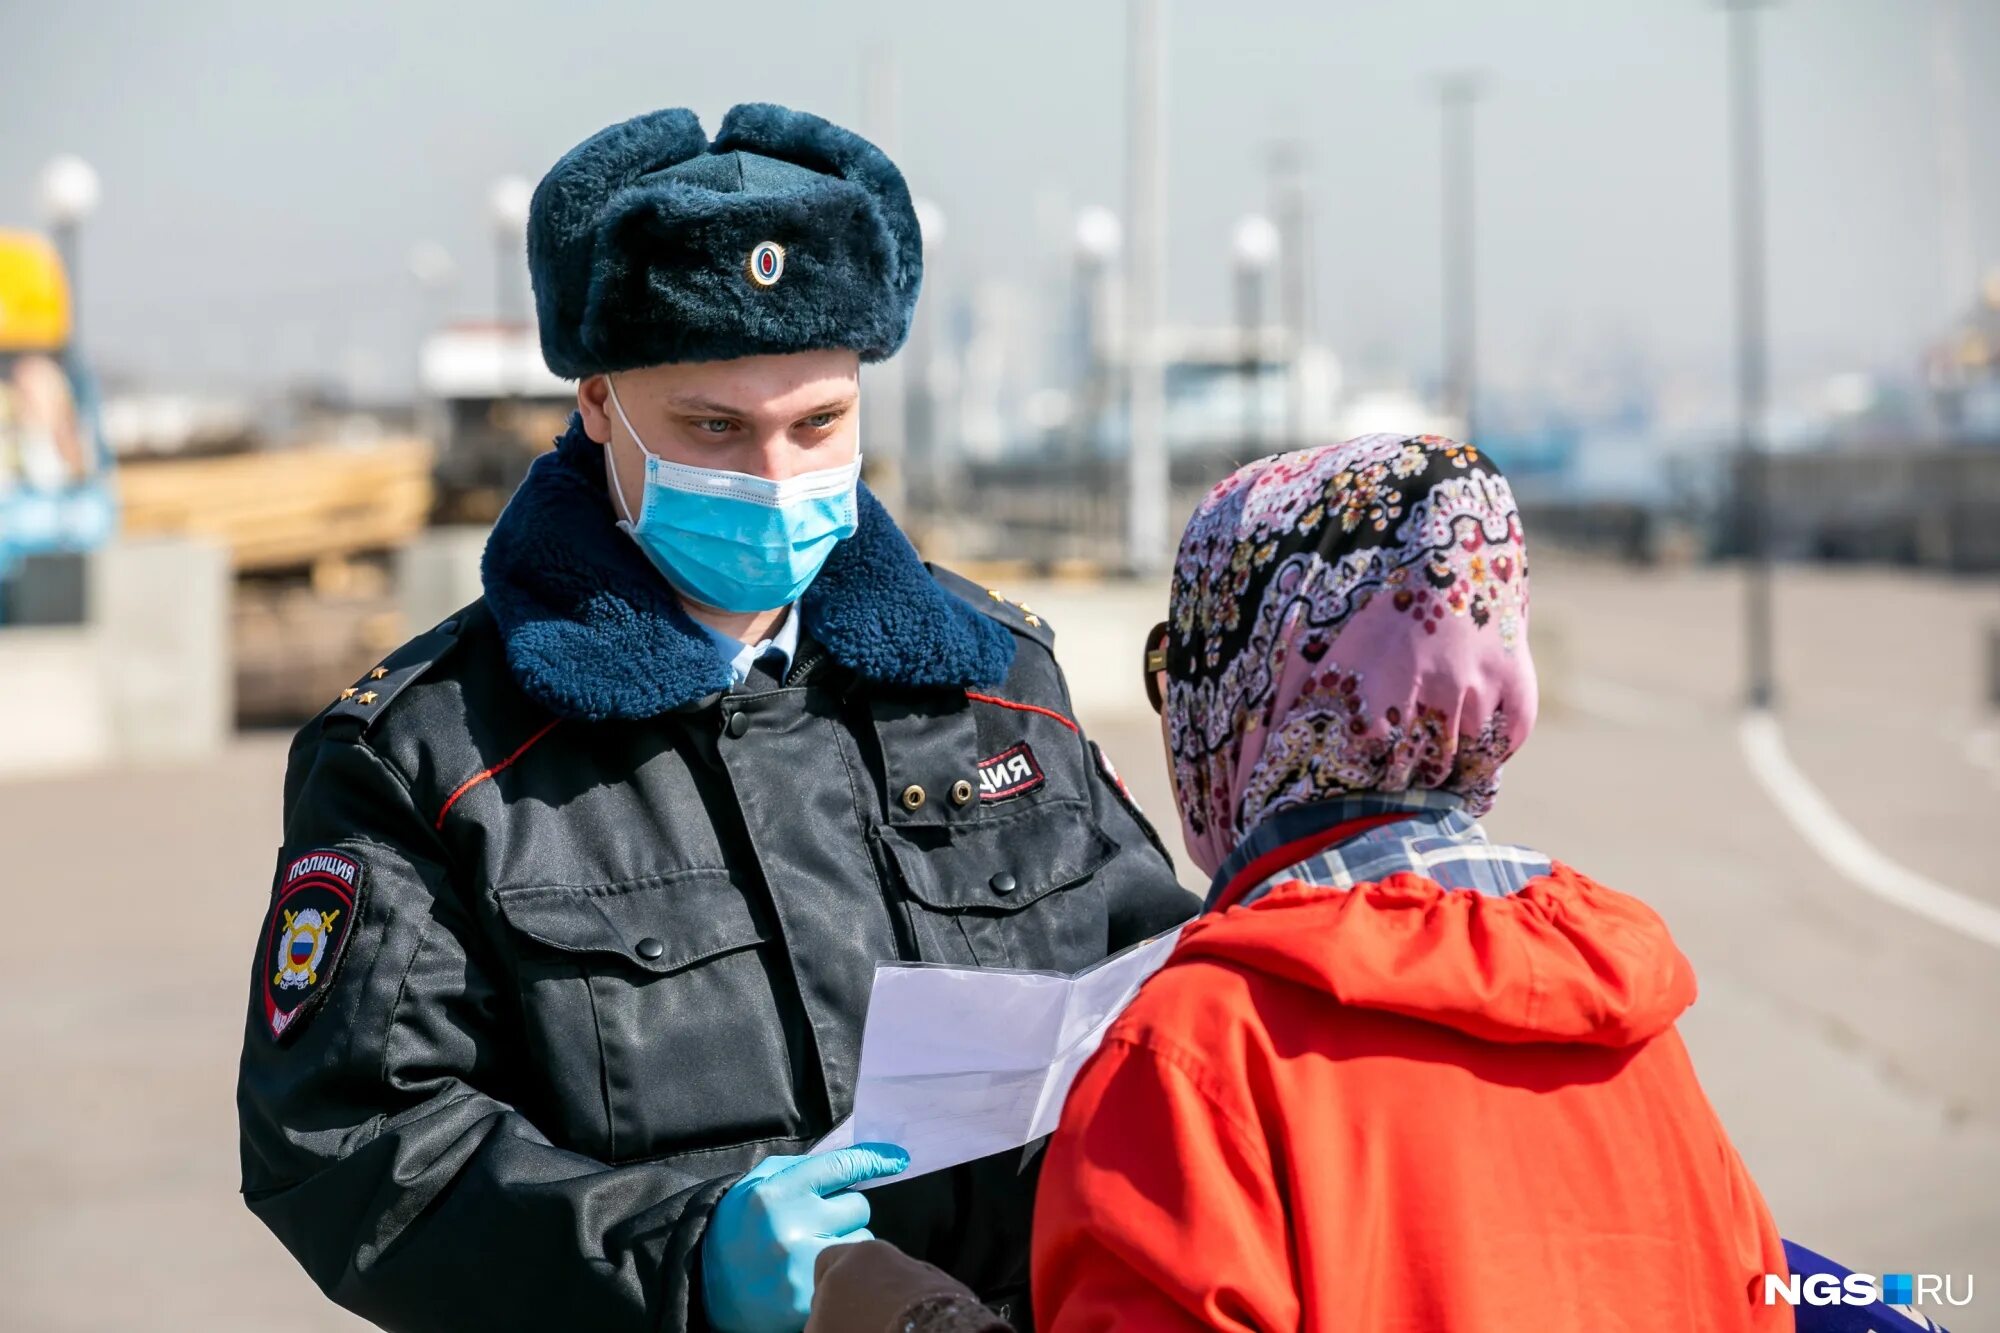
1845 849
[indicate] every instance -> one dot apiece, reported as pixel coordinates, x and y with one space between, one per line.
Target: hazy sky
268 167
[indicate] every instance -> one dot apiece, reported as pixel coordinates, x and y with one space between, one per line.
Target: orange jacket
1402 1109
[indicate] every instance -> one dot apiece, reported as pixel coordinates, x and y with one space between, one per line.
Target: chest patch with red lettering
1013 772
312 917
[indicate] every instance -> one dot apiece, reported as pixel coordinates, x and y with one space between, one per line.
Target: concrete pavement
1847 1045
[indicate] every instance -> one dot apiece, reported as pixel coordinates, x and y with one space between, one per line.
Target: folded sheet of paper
958 1063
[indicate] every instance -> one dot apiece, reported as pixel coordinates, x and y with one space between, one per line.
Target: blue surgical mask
733 541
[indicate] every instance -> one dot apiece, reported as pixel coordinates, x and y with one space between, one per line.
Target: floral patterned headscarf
1351 618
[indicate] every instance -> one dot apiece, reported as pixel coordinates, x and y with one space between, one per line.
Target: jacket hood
593 631
1564 960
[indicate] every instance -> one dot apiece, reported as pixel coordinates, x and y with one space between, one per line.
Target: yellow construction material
285 508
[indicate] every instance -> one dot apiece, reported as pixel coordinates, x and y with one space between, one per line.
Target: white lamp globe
1098 233
930 221
509 202
69 189
1255 242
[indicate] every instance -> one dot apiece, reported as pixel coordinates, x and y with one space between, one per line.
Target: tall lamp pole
434 271
1097 239
69 194
508 206
1752 367
885 428
1287 164
1253 249
916 394
1148 476
1458 93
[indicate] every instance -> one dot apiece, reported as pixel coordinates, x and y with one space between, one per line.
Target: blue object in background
48 503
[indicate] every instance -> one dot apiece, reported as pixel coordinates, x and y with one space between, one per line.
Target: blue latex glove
757 1259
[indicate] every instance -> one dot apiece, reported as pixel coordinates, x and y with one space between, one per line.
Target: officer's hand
757 1260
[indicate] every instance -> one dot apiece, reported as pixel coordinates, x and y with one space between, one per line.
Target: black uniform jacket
565 933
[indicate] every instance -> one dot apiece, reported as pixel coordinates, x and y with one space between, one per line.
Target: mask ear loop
610 472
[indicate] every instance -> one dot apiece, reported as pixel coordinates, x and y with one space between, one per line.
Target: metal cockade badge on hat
767 263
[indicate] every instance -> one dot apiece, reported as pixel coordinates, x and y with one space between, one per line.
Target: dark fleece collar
593 631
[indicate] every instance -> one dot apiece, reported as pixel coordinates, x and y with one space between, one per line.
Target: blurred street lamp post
885 430
1099 238
918 397
1288 190
510 199
509 204
1148 475
69 194
1458 93
1752 386
434 271
1253 249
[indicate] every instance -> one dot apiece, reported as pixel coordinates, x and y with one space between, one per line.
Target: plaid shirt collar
1432 835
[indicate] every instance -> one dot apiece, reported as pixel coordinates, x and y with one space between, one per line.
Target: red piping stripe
1021 707
484 774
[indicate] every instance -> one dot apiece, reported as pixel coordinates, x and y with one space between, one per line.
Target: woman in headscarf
1397 1077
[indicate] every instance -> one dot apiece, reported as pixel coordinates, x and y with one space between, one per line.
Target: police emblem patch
767 263
1013 772
312 915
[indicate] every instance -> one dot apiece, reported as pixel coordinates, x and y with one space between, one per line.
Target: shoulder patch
311 919
368 698
1024 620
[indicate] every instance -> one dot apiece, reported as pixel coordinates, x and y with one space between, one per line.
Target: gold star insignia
347 693
1036 621
994 595
378 673
367 698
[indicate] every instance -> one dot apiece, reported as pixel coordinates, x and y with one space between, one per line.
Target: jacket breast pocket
1012 890
654 1008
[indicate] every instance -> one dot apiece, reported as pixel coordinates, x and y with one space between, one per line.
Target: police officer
581 892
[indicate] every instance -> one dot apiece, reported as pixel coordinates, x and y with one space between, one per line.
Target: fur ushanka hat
648 244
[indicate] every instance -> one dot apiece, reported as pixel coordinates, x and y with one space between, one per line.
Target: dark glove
874 1287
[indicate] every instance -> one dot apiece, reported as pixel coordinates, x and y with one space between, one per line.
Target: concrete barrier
437 573
52 713
160 610
140 674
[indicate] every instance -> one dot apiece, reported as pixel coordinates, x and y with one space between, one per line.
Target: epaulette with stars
1017 616
368 698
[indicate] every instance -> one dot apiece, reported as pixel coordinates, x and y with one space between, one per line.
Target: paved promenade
1848 1042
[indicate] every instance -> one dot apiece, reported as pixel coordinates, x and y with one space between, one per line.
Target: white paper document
958 1063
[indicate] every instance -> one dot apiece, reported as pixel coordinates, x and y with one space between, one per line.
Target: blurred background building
1339 222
